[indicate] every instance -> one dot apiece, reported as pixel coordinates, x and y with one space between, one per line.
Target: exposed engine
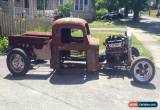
117 48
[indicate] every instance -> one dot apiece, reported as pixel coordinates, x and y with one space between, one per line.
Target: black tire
145 68
25 62
102 57
135 52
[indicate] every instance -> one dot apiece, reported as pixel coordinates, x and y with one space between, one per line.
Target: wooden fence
10 25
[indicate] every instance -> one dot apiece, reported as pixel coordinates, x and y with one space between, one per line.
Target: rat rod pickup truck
60 45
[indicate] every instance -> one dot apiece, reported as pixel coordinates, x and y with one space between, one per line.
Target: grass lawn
102 35
143 51
109 24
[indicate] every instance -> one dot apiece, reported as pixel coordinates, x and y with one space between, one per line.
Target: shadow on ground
73 76
144 24
143 86
110 73
28 77
80 76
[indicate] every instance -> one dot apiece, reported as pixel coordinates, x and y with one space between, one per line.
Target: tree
65 9
126 8
137 6
110 5
100 4
157 2
114 5
124 4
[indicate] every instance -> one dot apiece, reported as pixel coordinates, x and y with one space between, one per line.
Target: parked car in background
112 16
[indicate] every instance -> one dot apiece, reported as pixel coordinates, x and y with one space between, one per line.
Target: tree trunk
126 9
126 12
136 15
157 2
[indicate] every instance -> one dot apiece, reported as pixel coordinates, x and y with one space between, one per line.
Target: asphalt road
72 90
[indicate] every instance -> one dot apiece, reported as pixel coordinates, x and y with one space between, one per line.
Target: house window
26 3
76 4
85 2
60 2
79 4
42 4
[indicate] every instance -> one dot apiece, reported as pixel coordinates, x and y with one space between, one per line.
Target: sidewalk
150 41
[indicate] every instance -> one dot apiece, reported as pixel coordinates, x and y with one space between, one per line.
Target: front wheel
18 62
142 70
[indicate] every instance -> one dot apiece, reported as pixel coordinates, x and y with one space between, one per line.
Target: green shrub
64 10
3 44
100 12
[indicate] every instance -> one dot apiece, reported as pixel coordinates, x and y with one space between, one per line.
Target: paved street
72 90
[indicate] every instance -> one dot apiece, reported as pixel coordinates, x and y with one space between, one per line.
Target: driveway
42 89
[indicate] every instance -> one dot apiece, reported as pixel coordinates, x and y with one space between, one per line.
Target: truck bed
38 34
30 39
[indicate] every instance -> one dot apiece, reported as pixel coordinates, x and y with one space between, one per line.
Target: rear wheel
143 70
18 62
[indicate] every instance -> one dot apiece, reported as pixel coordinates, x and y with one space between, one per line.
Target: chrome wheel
17 62
143 71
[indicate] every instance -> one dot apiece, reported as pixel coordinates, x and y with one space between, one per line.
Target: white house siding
54 4
19 3
4 5
17 7
88 11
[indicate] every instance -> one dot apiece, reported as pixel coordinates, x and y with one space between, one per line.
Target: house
81 8
84 9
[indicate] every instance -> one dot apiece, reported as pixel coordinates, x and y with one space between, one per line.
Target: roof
70 22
